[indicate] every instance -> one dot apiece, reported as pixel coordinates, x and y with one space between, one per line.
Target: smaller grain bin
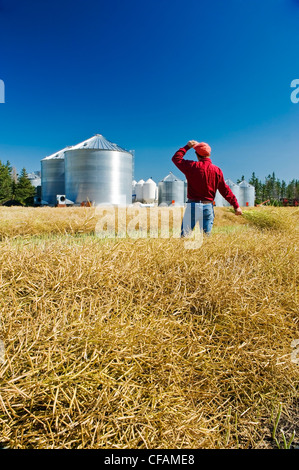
53 176
134 182
171 190
34 179
139 190
185 191
247 194
149 191
219 200
234 187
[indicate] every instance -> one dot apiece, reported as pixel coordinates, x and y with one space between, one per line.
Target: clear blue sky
149 76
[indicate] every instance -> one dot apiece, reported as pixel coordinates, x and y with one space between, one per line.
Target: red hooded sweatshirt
203 178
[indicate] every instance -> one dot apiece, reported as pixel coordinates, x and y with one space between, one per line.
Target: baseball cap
203 149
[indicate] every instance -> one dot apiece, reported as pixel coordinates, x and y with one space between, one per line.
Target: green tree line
15 187
273 189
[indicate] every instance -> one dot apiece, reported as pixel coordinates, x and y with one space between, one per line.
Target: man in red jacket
203 180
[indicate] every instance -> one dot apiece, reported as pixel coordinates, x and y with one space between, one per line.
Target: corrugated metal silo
171 189
235 190
52 177
219 200
149 191
185 191
139 190
98 171
134 190
247 194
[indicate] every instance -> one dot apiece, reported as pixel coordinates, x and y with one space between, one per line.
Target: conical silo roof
150 181
244 184
171 177
98 142
230 182
57 155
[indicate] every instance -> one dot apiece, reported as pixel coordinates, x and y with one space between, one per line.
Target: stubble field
141 343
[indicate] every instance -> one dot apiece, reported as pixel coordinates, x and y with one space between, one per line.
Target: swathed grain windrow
140 343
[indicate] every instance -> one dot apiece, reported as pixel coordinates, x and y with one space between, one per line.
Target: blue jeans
197 212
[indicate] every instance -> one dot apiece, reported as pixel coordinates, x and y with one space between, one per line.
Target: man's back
203 178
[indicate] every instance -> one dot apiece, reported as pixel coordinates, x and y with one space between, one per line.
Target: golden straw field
137 342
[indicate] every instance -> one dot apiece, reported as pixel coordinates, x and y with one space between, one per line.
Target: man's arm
178 158
228 195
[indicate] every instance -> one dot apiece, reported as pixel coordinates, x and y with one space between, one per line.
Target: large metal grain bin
171 189
98 171
247 194
52 177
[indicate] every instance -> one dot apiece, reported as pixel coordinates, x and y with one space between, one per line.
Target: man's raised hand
191 143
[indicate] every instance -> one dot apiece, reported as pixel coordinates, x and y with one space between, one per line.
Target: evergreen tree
5 182
283 189
24 190
269 186
292 190
277 189
254 181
